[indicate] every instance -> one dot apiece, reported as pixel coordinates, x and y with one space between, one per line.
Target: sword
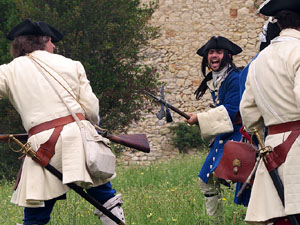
26 149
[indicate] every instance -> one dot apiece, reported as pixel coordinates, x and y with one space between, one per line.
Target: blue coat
229 97
243 78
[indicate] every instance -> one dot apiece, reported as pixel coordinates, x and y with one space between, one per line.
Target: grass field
165 193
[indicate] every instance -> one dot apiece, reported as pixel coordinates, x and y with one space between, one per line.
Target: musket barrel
169 105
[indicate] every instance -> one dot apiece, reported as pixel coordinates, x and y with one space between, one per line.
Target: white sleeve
87 98
250 114
214 122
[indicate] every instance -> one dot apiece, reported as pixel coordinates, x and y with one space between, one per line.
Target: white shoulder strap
56 91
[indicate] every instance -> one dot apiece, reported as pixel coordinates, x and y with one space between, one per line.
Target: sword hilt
26 148
264 150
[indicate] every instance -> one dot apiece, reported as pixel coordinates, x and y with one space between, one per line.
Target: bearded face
214 59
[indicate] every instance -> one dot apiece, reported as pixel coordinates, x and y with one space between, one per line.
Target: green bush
186 137
9 163
107 37
10 124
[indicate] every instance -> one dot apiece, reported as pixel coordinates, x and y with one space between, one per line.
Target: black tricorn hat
219 42
27 27
271 7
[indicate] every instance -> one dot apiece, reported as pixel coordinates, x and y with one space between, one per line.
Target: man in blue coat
218 122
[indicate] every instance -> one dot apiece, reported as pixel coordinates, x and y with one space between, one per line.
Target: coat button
210 166
221 142
214 158
216 150
207 174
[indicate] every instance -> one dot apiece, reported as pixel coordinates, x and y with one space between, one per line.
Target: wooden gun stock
136 141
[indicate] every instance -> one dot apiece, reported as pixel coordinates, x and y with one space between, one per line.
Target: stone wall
185 26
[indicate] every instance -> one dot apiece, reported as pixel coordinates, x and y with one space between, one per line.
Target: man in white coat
38 104
272 100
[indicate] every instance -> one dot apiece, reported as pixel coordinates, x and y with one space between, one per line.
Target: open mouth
215 63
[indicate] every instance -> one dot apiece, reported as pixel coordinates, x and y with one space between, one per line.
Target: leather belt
279 153
47 149
284 127
54 123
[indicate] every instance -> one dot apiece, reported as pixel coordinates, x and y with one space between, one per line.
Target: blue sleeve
229 93
243 78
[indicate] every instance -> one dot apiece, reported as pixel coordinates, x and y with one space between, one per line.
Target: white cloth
36 102
214 122
219 76
272 96
114 206
213 196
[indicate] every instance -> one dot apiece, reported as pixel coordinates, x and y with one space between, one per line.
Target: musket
26 149
236 121
161 101
136 141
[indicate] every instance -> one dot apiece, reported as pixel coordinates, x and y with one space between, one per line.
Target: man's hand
193 120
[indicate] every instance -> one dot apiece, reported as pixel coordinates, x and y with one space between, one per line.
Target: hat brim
219 42
271 7
27 27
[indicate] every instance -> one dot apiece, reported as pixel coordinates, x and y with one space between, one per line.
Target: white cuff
214 122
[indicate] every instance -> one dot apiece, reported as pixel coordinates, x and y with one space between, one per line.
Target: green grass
165 193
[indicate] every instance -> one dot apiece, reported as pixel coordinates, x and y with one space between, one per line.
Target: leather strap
47 149
279 153
284 127
54 123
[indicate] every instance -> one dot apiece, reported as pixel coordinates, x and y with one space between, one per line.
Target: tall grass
165 193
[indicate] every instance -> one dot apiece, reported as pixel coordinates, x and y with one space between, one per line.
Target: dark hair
272 31
227 59
25 44
288 19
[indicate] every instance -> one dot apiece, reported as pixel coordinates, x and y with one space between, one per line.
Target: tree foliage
10 120
107 37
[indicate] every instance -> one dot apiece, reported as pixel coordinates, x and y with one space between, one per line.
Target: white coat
36 102
272 96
